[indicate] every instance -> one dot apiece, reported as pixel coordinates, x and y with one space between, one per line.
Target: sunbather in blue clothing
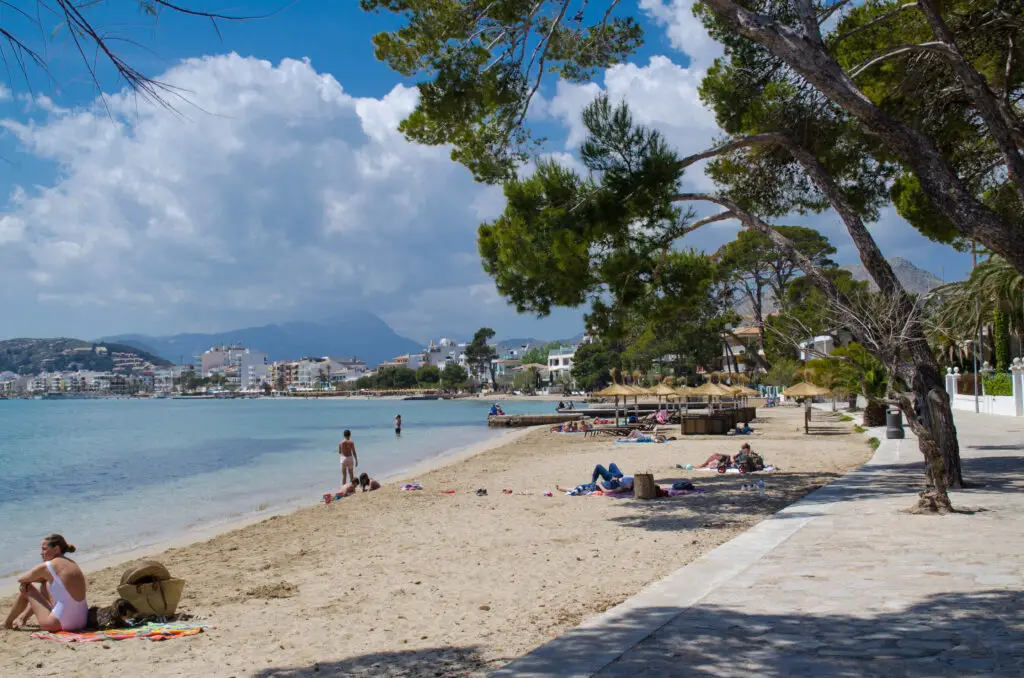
613 478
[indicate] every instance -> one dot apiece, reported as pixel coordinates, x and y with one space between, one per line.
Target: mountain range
358 334
915 280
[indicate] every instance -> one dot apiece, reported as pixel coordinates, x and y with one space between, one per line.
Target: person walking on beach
398 424
349 459
58 603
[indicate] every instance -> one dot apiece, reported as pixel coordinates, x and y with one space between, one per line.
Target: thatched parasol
617 391
662 391
745 392
805 389
712 390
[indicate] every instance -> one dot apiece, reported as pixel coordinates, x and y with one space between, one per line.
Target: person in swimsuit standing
398 424
58 602
349 459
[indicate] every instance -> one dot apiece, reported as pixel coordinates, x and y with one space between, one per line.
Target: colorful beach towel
150 631
411 486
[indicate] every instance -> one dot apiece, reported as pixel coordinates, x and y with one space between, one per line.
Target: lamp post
977 347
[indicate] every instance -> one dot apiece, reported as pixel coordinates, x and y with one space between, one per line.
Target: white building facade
253 370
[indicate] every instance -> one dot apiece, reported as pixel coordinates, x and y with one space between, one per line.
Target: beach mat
152 631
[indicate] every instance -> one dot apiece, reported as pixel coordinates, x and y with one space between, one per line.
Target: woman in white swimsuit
58 603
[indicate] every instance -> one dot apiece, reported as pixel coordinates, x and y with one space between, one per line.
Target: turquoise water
115 475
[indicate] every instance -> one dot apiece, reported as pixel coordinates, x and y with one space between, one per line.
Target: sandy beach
394 583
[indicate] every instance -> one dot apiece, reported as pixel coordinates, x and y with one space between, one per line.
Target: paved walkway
839 584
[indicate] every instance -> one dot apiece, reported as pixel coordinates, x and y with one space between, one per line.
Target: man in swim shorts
349 459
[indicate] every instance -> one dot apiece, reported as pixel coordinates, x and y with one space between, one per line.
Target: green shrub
874 442
858 428
845 418
998 385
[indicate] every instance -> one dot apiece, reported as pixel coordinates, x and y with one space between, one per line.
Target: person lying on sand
614 482
744 430
716 460
367 483
58 602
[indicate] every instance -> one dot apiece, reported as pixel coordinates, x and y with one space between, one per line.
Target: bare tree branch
886 54
732 145
827 13
86 38
874 22
720 216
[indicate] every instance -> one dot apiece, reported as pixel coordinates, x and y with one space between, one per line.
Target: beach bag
150 589
755 462
644 487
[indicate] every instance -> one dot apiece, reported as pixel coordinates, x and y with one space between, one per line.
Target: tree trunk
874 414
930 389
947 192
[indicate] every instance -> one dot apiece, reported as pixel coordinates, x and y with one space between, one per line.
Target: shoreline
445 581
213 528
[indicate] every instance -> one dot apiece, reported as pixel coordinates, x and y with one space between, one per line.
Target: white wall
1002 405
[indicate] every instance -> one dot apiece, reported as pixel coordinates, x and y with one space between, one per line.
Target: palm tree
957 311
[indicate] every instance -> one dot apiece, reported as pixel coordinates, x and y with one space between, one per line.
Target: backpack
755 462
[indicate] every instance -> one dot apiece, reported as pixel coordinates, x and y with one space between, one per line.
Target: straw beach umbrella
662 391
616 391
744 392
712 390
805 389
684 392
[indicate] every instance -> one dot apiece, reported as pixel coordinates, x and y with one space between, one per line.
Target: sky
278 188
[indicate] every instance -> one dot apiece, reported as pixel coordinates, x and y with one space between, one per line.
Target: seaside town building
560 364
253 370
217 359
445 352
413 362
734 350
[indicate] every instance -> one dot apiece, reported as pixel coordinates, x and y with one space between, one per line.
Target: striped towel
152 631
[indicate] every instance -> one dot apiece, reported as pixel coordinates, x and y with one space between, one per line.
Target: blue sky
282 190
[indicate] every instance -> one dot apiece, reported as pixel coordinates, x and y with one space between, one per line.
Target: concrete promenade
841 583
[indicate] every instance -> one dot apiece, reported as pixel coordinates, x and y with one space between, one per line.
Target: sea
117 475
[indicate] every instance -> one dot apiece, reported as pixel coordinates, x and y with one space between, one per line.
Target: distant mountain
531 341
914 279
32 356
359 334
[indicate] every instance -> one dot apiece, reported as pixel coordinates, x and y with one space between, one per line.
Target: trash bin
894 424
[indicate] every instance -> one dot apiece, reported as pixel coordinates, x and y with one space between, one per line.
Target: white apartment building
219 358
444 352
560 363
253 370
314 371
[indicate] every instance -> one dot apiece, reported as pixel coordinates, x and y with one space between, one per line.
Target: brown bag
150 588
644 486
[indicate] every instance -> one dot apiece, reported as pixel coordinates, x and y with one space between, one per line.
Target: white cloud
274 193
662 95
684 30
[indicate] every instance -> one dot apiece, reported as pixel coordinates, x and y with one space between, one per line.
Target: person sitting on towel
53 591
367 483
